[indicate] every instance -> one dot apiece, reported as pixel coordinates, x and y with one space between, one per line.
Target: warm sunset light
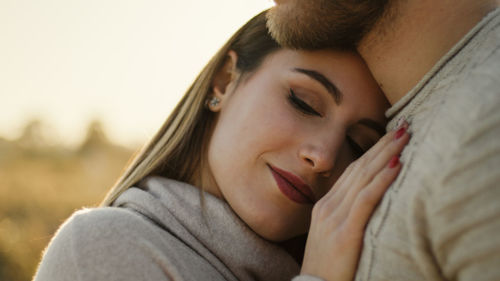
125 63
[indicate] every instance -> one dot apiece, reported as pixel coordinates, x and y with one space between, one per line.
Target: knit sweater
164 230
440 220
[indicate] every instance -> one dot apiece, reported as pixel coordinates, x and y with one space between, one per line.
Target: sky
124 62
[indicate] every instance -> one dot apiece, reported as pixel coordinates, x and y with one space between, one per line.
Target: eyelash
307 109
301 105
357 149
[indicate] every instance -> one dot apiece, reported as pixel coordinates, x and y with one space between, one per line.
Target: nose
319 153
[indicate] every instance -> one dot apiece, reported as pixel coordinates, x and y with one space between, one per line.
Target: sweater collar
413 93
209 226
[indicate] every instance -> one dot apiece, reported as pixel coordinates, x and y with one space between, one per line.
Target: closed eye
301 105
356 148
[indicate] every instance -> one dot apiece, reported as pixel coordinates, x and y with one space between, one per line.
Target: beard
319 24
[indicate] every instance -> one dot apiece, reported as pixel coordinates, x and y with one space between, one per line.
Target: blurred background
82 85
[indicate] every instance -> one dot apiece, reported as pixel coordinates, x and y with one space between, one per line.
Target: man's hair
318 24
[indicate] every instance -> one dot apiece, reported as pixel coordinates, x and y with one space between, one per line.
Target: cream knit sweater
440 220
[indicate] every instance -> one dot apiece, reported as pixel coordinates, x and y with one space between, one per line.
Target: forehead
345 69
326 61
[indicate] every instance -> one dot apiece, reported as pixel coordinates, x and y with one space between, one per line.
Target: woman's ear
222 79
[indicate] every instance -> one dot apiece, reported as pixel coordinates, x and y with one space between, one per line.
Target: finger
377 157
334 198
384 141
362 171
379 161
359 173
368 199
341 185
366 174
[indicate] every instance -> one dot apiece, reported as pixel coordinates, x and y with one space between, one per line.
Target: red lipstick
292 186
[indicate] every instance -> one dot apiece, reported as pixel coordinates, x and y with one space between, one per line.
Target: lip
292 186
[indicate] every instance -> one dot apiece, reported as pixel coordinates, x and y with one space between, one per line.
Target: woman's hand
339 218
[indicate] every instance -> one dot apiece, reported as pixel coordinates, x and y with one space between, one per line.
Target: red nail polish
394 162
399 133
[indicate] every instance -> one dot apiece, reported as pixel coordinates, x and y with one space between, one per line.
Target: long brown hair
177 150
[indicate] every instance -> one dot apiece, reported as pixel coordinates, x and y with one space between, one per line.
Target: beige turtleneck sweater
440 220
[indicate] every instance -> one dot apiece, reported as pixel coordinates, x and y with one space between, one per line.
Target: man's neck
413 36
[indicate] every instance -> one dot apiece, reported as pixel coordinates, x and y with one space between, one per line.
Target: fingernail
399 133
394 162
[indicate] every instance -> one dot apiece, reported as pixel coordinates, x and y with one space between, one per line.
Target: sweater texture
440 219
163 230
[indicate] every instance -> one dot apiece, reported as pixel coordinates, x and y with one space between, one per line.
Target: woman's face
286 132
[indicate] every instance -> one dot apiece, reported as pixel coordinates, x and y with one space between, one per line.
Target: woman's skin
302 118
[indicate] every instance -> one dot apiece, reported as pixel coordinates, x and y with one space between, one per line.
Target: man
438 62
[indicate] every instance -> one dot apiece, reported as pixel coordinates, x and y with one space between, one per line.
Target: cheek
253 126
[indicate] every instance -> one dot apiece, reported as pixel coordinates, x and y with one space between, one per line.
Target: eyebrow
374 125
329 86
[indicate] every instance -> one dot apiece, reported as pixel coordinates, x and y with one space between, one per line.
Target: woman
225 189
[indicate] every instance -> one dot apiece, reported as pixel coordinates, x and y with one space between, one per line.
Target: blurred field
42 184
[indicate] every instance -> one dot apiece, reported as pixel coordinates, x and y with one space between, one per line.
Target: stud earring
213 102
